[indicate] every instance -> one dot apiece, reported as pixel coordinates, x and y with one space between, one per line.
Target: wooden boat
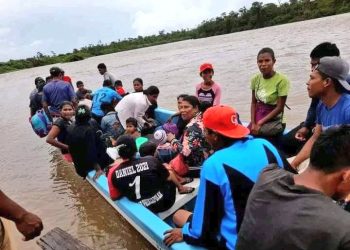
149 225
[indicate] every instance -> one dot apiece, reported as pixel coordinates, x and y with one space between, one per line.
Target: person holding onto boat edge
226 180
327 82
269 96
286 211
208 90
144 180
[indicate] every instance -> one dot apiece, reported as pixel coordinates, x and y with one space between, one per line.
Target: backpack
41 123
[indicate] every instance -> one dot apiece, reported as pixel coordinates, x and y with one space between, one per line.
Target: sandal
188 190
186 180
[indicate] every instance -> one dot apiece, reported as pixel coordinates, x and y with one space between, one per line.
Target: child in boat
142 180
119 88
131 128
164 151
180 123
208 90
58 133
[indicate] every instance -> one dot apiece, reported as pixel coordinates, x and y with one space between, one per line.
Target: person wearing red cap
226 180
208 90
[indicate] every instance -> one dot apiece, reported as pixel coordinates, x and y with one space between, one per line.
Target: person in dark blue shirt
106 94
226 180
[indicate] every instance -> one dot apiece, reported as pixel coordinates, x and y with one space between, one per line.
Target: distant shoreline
258 16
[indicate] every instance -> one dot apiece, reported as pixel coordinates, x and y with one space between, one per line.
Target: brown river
33 172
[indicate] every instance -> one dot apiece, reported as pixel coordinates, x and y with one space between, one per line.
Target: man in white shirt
135 105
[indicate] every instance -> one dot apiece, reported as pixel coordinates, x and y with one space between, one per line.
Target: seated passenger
85 146
143 180
269 95
138 85
191 148
132 128
82 93
286 211
118 85
110 124
165 152
226 179
180 123
328 83
59 127
208 90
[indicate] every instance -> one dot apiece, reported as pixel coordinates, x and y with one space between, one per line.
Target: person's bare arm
30 225
51 138
306 150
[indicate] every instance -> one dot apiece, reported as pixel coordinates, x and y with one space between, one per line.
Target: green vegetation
259 15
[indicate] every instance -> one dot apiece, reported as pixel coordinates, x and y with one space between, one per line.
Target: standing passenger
208 90
226 180
55 92
269 95
102 69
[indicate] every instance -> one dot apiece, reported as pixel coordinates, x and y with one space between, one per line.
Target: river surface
34 174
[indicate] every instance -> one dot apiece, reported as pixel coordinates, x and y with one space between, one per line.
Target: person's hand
30 225
254 130
301 134
172 236
97 174
170 137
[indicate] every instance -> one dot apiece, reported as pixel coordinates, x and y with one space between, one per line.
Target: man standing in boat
226 180
56 92
102 69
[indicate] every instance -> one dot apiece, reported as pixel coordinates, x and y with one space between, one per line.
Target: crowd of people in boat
249 196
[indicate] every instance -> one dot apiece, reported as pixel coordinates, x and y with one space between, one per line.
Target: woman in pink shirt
208 90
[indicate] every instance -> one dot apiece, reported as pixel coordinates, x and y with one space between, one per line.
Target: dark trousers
289 145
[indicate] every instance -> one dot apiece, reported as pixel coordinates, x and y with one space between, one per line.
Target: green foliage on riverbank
259 15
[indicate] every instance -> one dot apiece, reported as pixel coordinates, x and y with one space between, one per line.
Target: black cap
55 71
39 80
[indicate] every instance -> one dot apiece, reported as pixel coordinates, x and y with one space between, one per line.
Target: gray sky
28 27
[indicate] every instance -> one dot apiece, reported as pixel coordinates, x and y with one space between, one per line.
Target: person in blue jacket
226 179
106 94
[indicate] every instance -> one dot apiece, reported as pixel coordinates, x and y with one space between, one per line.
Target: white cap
160 136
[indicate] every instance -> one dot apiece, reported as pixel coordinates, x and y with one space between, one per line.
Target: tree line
257 16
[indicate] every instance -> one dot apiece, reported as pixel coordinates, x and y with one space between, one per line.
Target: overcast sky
28 27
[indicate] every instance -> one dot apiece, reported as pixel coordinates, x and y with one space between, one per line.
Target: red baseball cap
223 120
205 66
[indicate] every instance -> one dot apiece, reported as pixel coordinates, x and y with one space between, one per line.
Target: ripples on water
35 175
